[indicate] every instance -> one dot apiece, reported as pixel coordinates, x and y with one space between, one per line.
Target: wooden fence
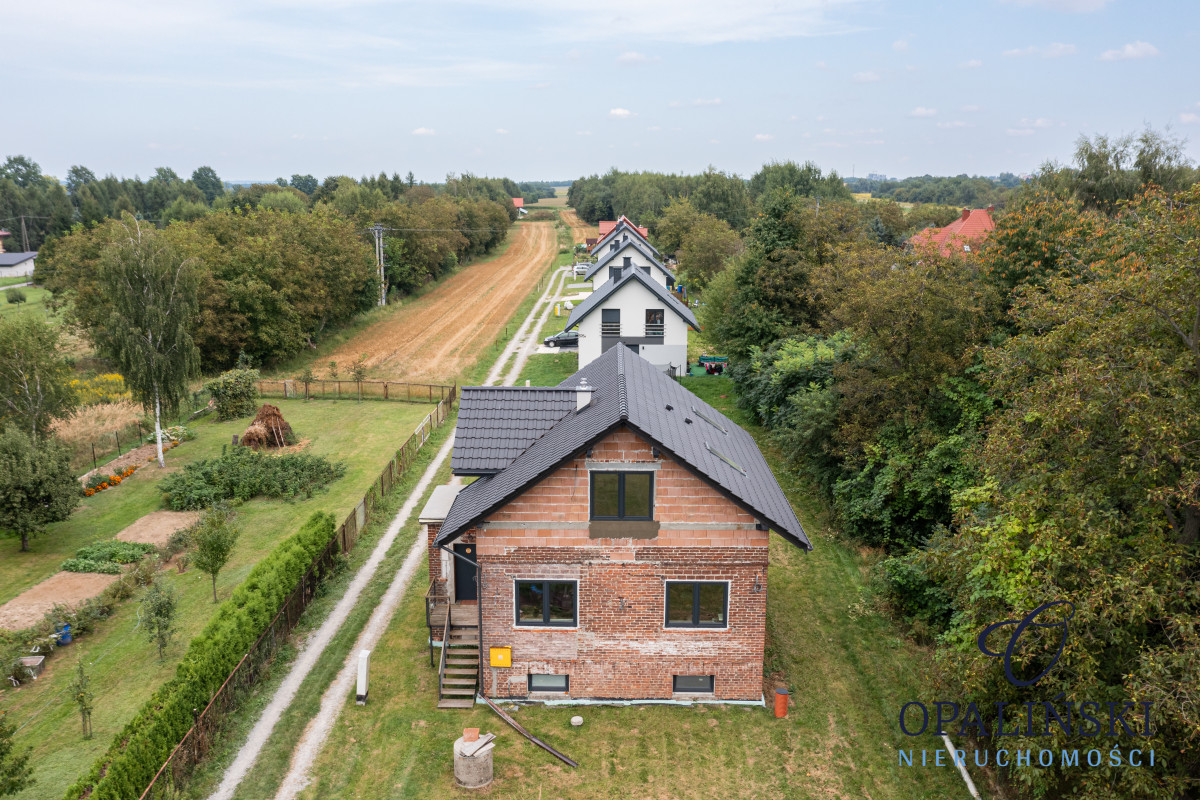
199 739
353 390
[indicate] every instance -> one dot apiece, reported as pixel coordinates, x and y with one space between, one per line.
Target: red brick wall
625 652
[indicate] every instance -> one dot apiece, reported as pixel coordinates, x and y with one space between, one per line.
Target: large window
694 684
549 683
610 322
698 604
547 603
623 495
655 322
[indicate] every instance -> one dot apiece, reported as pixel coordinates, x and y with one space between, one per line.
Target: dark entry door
464 573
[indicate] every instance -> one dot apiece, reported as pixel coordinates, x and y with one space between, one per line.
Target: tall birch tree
150 292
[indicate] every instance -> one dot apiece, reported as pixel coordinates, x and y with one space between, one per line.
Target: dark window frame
695 623
712 685
529 683
621 515
545 622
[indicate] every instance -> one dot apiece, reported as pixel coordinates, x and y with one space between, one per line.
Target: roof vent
583 395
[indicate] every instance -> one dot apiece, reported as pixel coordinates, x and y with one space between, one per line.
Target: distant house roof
13 259
519 202
971 227
629 391
606 258
497 423
609 288
608 226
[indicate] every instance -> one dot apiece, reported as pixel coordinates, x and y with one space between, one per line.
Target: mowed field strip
440 335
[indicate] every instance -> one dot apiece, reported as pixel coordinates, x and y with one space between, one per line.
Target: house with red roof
622 224
961 236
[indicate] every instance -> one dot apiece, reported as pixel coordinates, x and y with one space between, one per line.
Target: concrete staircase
458 677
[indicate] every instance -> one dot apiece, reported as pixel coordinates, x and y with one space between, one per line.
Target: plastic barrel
64 634
781 701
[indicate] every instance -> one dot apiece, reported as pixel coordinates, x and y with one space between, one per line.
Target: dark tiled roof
609 288
606 258
12 259
631 391
624 223
497 423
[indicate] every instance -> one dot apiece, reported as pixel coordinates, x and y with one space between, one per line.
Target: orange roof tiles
971 227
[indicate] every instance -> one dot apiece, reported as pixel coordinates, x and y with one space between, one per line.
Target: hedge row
139 750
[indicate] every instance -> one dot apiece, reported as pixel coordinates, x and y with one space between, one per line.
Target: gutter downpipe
478 606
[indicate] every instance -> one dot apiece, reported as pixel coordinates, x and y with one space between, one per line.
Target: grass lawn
15 281
550 369
849 671
34 305
122 664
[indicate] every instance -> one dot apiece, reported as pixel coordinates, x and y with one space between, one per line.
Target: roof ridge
622 388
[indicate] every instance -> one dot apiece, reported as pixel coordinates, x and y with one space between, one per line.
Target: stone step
455 702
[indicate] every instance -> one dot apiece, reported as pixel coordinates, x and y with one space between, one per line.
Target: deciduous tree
34 375
214 538
37 485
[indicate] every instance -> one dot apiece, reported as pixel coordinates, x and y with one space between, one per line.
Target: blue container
64 634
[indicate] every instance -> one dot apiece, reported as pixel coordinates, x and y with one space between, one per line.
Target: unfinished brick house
612 546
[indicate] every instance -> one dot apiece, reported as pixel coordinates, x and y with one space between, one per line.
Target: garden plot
65 588
156 528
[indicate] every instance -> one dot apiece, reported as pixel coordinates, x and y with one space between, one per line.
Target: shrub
107 557
14 296
139 750
90 565
234 393
242 474
175 433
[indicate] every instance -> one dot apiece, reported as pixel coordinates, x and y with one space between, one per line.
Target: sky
556 89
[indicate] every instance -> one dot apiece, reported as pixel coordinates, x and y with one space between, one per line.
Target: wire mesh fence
355 390
198 741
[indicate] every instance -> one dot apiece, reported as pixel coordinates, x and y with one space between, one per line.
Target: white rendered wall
633 299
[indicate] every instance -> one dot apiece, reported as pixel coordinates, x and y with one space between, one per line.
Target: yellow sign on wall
501 657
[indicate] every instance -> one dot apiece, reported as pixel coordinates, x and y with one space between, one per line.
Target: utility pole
377 229
24 235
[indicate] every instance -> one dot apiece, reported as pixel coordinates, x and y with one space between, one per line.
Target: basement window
547 604
549 683
693 684
697 604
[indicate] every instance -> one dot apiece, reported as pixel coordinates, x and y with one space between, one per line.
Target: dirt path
579 229
440 336
65 588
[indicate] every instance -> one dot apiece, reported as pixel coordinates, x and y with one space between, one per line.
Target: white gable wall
636 258
633 299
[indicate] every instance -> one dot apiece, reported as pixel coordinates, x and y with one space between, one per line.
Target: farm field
579 229
122 663
849 674
441 335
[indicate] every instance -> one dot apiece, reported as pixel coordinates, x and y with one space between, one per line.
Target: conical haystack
269 429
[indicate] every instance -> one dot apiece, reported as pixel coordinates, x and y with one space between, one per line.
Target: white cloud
583 133
1076 6
900 46
714 141
958 123
1020 131
543 85
501 131
821 65
620 113
974 63
763 137
710 101
632 57
970 108
1188 118
1053 50
424 132
654 128
1133 50
865 77
1040 122
922 111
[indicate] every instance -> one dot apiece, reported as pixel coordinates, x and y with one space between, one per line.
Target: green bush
242 474
89 565
235 393
14 296
140 749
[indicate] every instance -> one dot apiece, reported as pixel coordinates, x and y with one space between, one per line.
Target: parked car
581 270
563 339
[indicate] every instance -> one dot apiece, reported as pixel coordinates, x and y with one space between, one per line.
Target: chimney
583 395
612 248
627 261
966 213
991 210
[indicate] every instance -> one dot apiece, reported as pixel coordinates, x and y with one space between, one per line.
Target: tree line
1007 429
